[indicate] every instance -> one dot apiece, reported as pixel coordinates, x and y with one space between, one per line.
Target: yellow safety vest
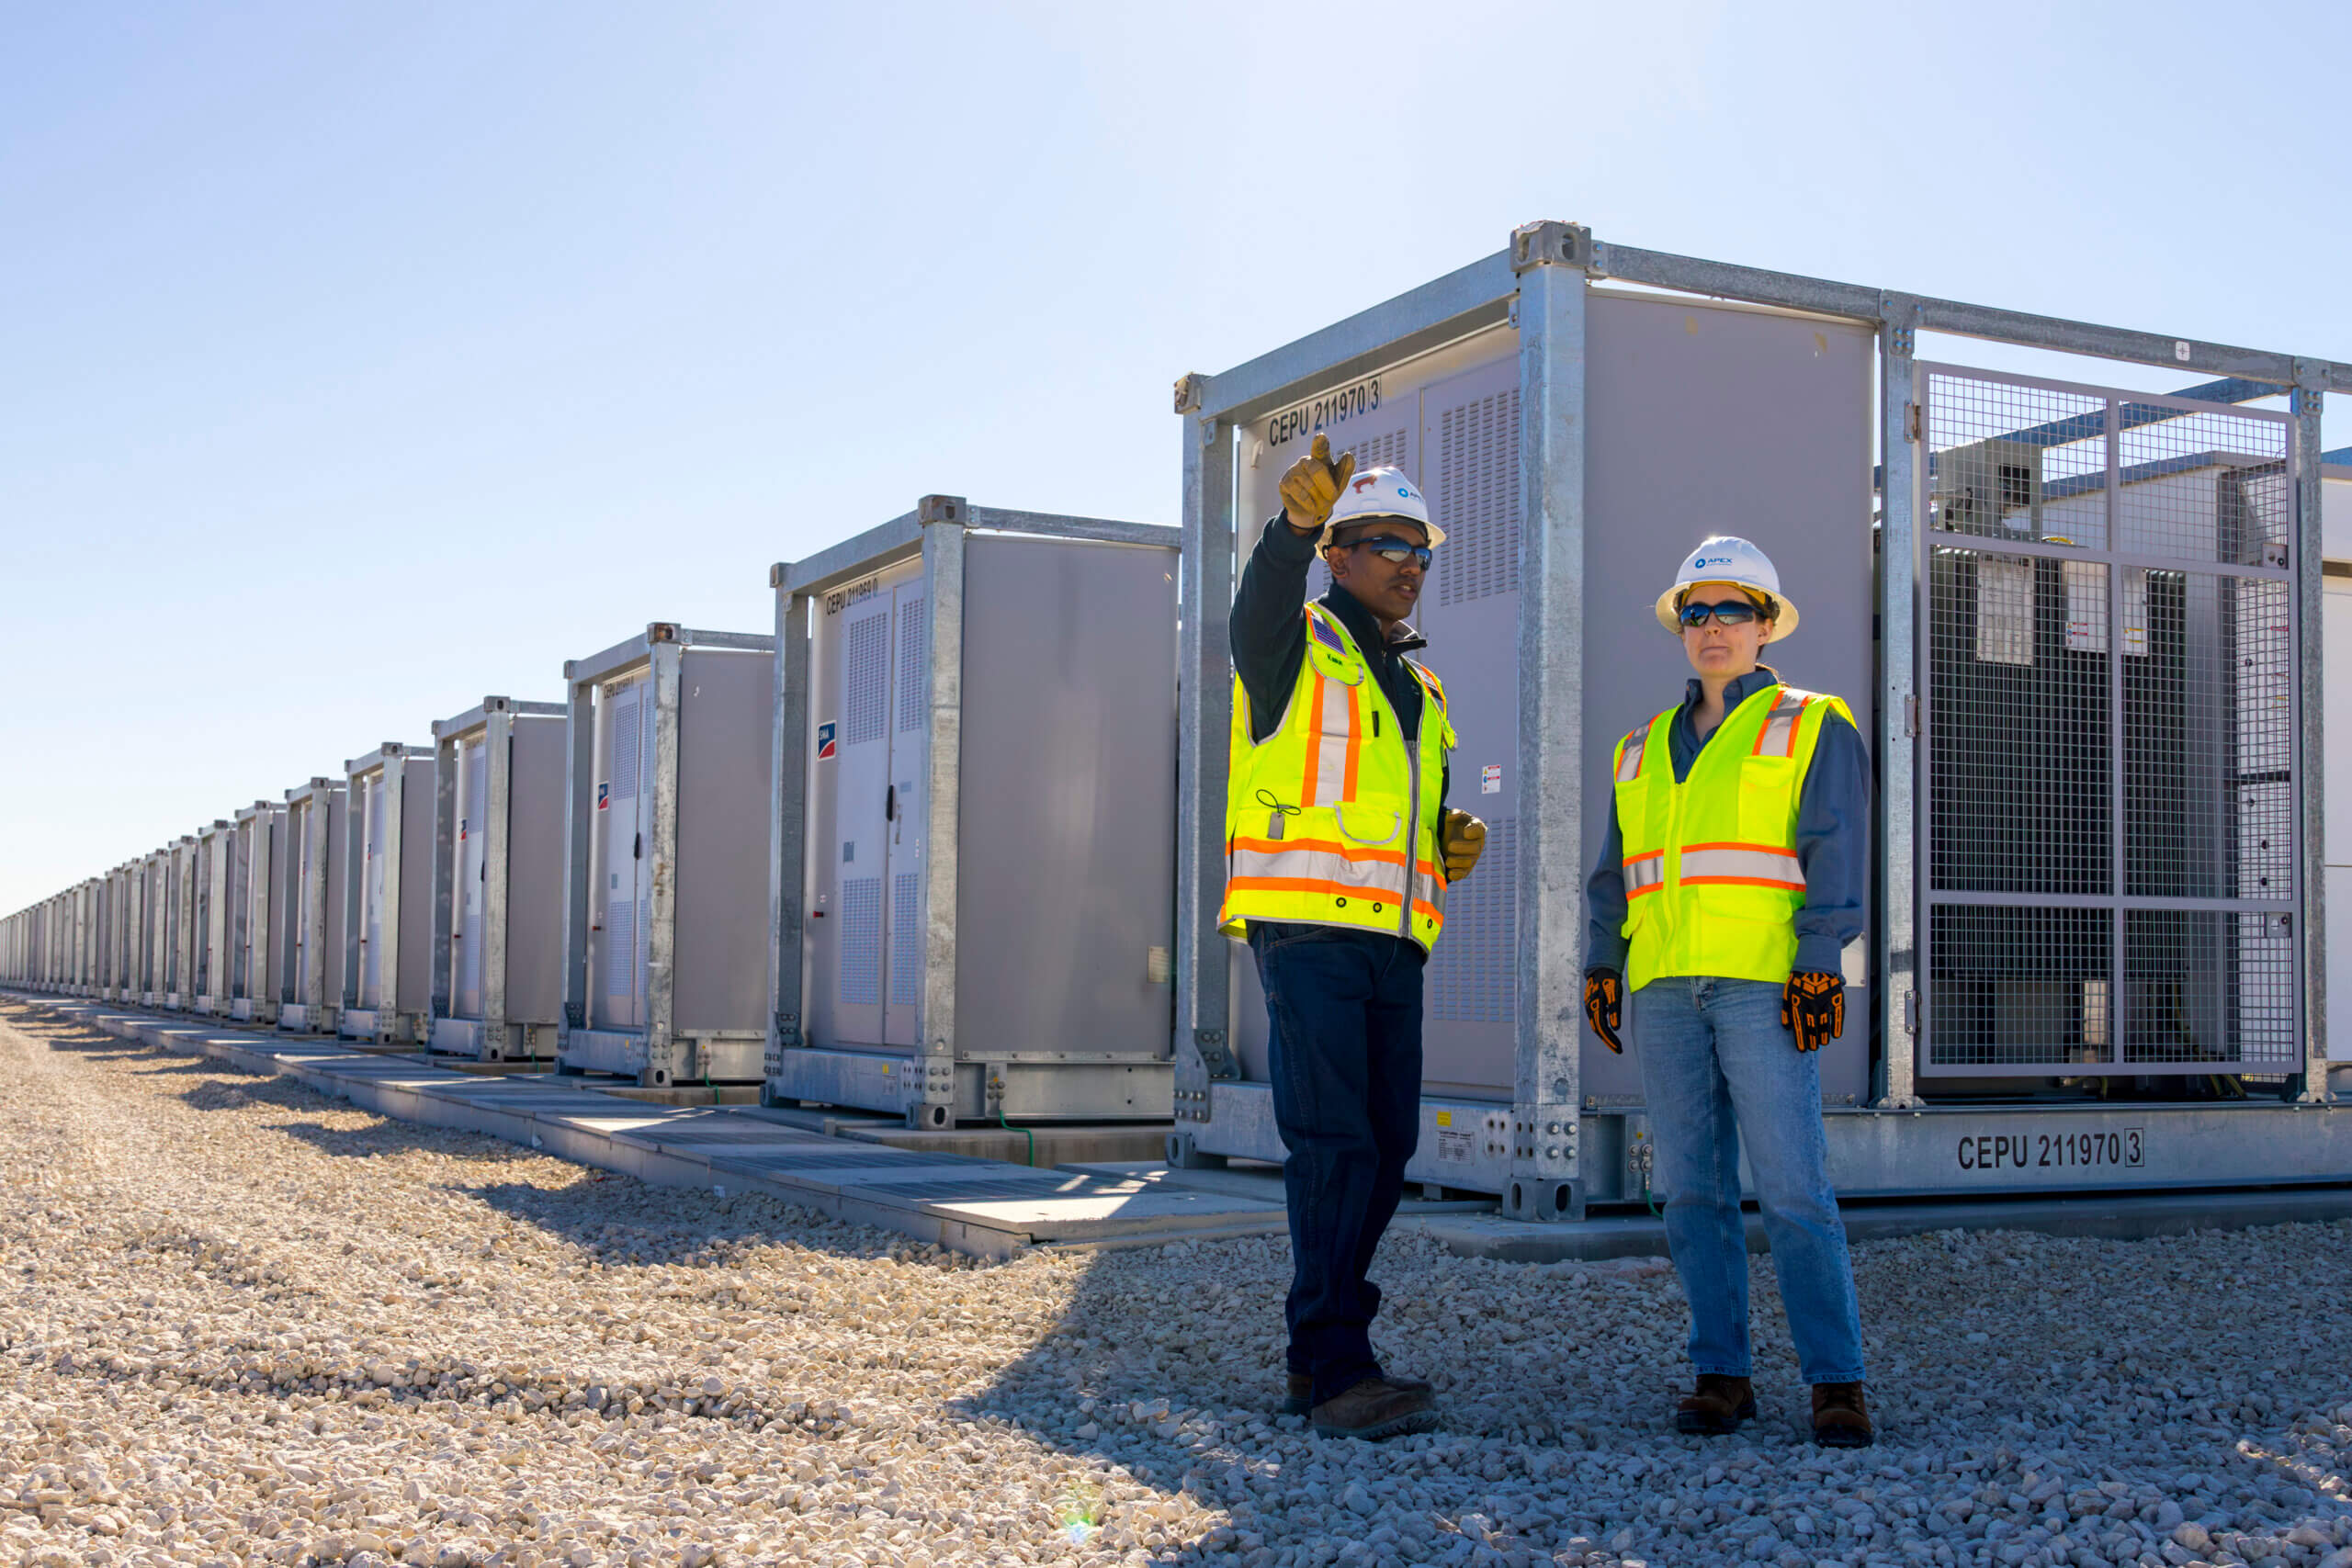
1332 820
1713 885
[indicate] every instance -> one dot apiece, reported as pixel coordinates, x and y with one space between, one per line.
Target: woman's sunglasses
1396 552
1730 613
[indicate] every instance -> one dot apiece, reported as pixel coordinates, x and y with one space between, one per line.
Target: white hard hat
1379 492
1724 558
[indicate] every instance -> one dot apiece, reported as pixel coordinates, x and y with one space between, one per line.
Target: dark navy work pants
1346 1012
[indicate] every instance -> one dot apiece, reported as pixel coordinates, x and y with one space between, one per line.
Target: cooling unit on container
260 934
2079 608
312 887
974 841
498 880
665 900
388 896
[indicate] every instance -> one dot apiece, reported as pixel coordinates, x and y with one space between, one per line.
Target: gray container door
907 805
624 746
860 825
374 868
240 895
298 830
203 943
473 797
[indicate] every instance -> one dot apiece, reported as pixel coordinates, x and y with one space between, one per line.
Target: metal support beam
944 519
1202 1049
1902 716
497 810
664 1059
2304 406
578 822
788 831
1550 259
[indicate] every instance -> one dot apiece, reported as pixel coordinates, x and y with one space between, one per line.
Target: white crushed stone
241 1323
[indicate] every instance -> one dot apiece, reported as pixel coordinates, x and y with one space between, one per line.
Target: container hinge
1912 425
1911 716
1911 1013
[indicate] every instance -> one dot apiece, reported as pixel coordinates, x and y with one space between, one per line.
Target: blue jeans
1718 1068
1346 1012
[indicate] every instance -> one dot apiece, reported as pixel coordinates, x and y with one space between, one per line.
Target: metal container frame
403 1013
305 1004
661 1054
946 1082
497 1035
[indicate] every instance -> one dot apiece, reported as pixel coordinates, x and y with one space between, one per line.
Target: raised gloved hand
1604 1005
1813 1007
1311 486
1464 839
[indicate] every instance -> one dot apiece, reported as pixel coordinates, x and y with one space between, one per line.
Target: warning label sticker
1453 1144
1491 779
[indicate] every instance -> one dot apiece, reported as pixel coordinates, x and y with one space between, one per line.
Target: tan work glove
1311 487
1465 840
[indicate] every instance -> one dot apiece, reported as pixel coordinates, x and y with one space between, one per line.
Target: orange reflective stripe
1305 885
1644 873
1323 846
1427 911
1779 736
1628 758
1314 741
1355 736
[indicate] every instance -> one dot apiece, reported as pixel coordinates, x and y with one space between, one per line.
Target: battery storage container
215 915
388 896
973 843
2078 606
668 748
311 887
498 881
179 981
154 898
261 915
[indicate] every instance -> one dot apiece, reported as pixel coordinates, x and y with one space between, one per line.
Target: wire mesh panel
2109 781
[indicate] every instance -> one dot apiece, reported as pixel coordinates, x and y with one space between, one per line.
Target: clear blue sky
358 361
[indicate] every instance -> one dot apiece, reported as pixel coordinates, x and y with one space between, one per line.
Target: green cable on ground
1022 1131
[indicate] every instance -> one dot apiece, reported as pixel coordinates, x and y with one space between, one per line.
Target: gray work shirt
1833 838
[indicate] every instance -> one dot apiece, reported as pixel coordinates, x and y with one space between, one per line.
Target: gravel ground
244 1324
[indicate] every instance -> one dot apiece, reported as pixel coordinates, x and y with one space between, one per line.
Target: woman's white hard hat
1725 557
1379 492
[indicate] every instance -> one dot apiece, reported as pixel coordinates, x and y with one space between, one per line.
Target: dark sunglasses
1396 552
1730 613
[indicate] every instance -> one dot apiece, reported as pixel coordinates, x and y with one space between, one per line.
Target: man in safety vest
1730 879
1339 850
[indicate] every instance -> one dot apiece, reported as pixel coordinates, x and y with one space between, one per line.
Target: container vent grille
624 746
1477 497
620 946
906 939
867 672
862 939
1472 970
911 681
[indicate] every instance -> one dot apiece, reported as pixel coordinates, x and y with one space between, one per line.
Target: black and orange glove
1604 1005
1813 1007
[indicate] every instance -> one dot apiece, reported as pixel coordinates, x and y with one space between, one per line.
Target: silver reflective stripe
1629 762
1327 871
1780 735
1748 864
1646 874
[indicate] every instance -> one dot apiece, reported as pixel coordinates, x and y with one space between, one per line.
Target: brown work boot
1840 1420
1375 1408
1298 1393
1717 1408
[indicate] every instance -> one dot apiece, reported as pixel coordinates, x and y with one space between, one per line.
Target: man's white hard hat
1379 492
1725 557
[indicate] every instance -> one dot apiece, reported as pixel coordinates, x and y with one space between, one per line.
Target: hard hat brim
1784 614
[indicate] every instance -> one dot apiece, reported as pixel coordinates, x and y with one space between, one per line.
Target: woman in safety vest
1729 881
